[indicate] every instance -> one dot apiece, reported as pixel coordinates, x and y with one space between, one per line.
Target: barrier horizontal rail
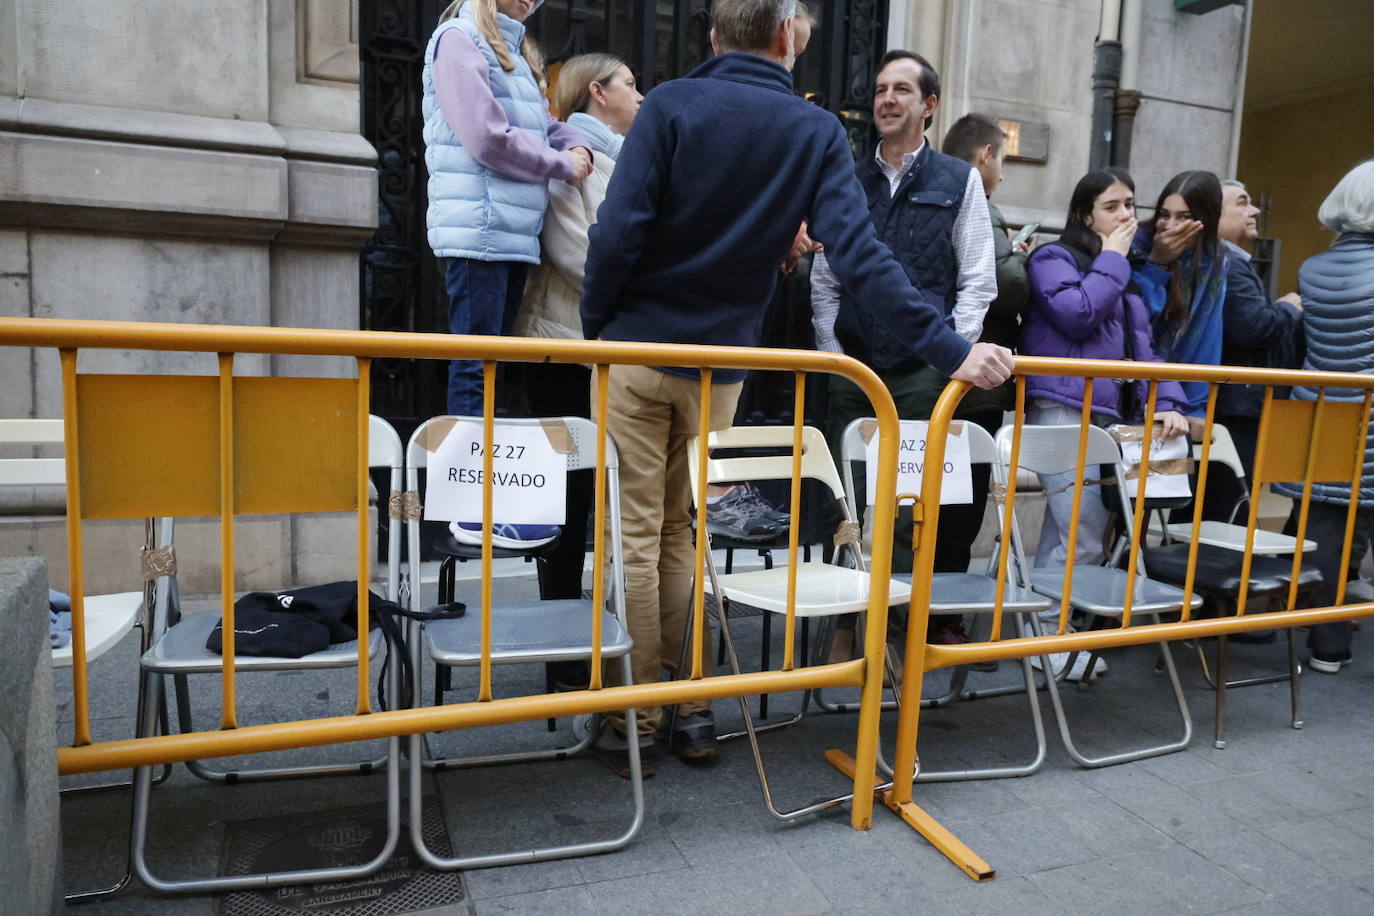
227 401
1311 459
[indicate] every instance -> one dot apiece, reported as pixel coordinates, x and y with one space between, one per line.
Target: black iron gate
402 288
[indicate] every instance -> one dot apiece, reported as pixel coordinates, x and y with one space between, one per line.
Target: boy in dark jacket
717 173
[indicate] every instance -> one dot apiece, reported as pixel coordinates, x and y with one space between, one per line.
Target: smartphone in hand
1024 235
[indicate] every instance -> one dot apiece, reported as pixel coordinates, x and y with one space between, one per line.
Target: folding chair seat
1096 591
108 618
1227 534
180 651
524 632
964 593
823 590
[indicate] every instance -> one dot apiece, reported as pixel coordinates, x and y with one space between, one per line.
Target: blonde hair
573 90
484 14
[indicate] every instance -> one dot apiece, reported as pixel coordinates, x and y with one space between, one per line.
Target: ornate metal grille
402 287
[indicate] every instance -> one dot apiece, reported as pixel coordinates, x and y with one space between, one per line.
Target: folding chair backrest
1054 449
854 447
816 463
32 472
574 435
1223 451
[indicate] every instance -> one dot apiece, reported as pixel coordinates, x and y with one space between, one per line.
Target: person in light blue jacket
491 147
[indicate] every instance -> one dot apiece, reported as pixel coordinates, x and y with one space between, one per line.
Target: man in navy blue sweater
717 173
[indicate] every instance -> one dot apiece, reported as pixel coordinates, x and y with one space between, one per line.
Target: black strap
394 632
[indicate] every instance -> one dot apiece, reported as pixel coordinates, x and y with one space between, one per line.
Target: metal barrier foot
935 833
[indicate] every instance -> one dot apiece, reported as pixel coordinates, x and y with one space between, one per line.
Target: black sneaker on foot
612 749
1328 663
694 738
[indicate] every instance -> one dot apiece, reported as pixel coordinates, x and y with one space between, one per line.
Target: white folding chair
180 651
108 618
524 632
964 593
823 590
1227 534
1098 592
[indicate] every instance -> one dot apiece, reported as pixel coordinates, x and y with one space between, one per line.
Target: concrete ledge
31 839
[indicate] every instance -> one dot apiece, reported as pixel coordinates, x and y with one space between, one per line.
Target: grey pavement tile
1332 899
864 873
1167 880
1263 862
566 901
649 852
709 836
487 883
1261 798
767 884
1342 853
1166 807
679 892
1011 894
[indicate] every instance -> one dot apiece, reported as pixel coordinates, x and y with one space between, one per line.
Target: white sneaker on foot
1059 660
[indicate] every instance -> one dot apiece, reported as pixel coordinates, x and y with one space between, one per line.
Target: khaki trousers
652 415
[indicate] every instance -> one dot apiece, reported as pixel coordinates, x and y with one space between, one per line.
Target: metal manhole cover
323 839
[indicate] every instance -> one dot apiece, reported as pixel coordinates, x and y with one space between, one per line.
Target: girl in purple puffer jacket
1082 306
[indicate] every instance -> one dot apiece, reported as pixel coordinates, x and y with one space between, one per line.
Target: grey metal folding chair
823 590
524 632
109 618
963 593
1098 592
179 650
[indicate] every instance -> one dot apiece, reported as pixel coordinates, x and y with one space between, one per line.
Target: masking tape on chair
1169 468
436 432
559 436
156 562
847 533
866 430
404 506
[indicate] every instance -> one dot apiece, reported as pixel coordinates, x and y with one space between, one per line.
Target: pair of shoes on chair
1328 663
742 514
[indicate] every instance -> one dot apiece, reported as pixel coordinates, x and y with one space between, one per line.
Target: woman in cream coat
596 94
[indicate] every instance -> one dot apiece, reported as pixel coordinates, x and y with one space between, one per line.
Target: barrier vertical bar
1190 578
1356 478
1257 488
1004 559
1305 504
229 710
793 530
364 530
875 621
599 520
699 567
488 522
81 702
1146 440
1071 557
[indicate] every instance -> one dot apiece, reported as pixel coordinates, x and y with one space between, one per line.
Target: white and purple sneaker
511 537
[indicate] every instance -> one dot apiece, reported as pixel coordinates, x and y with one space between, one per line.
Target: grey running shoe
735 516
763 507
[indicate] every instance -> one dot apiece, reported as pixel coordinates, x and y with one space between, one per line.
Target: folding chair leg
139 830
1219 732
1294 680
1125 756
269 774
752 734
491 860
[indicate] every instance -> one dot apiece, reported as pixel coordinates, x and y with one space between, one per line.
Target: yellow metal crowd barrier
1298 441
176 445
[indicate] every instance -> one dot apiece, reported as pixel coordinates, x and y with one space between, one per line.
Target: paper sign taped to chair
529 477
1165 456
957 487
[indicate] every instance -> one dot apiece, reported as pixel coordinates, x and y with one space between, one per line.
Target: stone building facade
187 162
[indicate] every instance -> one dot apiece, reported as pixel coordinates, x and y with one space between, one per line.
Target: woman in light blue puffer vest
491 148
1337 288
